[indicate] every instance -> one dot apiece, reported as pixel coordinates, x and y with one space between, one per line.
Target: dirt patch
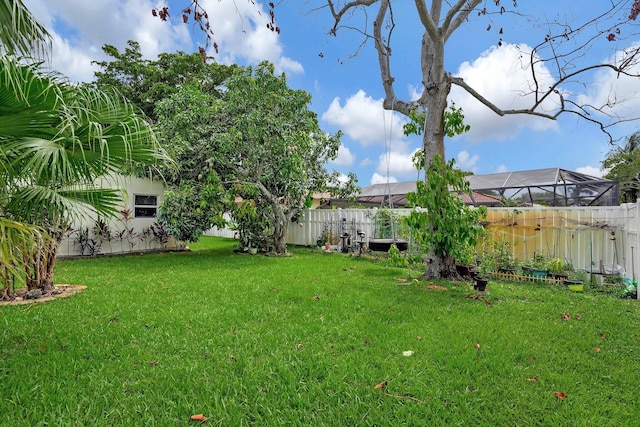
60 291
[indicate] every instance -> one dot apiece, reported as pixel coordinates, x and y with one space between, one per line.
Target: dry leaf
316 298
596 349
298 346
578 317
603 336
234 331
565 316
477 346
407 353
436 288
533 379
153 363
198 417
418 337
380 386
560 395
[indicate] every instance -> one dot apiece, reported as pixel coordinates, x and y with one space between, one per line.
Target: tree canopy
623 164
259 142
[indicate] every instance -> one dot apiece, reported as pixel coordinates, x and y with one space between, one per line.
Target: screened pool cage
548 187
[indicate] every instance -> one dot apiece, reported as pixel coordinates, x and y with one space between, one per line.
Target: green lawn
303 340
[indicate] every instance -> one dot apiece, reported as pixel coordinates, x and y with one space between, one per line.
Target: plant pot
575 285
480 283
465 270
539 272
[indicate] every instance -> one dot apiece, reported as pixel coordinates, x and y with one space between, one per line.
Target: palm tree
56 139
19 33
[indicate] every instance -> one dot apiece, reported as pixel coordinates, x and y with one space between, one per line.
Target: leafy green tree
145 82
624 166
259 141
444 225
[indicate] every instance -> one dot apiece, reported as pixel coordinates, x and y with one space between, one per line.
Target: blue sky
343 76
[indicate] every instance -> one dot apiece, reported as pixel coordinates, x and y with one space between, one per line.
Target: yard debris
559 395
407 353
298 346
199 417
154 363
565 316
380 386
533 379
596 349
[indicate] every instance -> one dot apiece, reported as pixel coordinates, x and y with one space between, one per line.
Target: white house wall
136 242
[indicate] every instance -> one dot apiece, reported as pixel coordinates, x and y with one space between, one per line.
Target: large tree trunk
279 229
441 267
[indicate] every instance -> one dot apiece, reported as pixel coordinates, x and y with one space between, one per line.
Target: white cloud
467 162
617 94
592 171
398 163
365 162
81 27
382 179
241 32
364 120
345 157
501 169
502 75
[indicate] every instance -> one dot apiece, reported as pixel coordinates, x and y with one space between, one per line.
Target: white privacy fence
597 239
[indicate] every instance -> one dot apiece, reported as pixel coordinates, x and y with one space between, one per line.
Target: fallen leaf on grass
153 363
565 316
596 349
402 280
436 288
603 336
316 298
533 379
477 346
559 395
407 353
298 346
380 386
578 317
199 417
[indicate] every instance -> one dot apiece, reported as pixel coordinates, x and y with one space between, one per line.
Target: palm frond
60 206
20 32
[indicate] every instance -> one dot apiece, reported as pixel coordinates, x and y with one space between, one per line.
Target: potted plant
559 268
465 263
538 267
483 272
503 258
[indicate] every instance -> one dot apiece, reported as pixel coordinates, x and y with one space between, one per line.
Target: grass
303 340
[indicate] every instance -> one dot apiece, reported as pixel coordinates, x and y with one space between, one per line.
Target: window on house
145 206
